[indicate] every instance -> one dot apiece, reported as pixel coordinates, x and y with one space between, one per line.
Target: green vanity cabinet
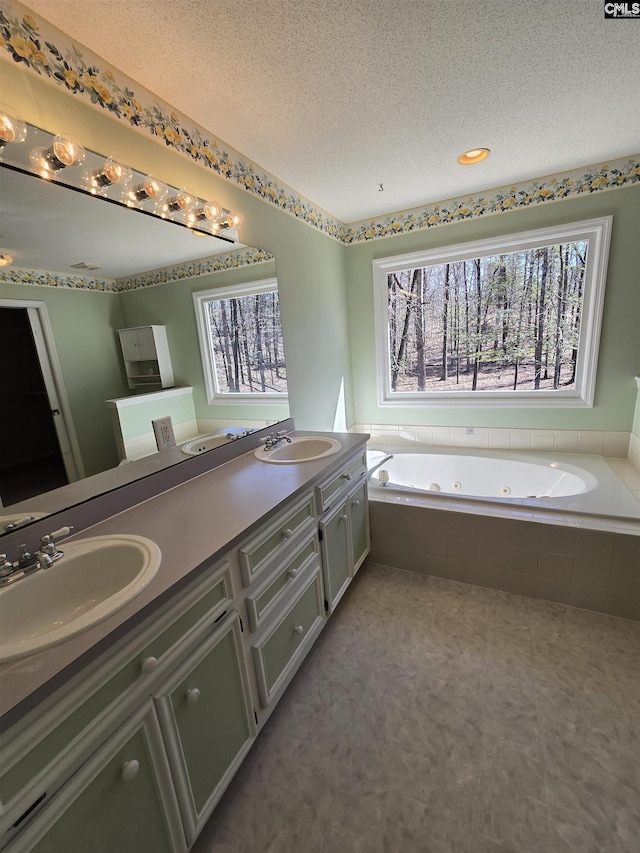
132 753
207 722
121 800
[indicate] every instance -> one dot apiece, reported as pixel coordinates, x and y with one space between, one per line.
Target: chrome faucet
275 439
28 563
234 436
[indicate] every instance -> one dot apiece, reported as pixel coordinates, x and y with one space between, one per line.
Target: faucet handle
48 542
60 534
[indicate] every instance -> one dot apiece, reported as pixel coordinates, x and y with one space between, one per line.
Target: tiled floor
437 717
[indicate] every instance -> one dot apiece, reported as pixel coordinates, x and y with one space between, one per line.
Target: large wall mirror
131 270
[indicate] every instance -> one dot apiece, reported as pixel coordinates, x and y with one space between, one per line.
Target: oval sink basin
94 579
301 449
204 443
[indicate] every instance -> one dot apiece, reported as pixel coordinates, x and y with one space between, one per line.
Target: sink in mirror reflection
64 238
93 579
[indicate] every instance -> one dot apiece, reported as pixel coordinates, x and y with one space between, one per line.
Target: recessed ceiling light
474 155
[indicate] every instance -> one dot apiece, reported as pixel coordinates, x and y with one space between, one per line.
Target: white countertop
192 523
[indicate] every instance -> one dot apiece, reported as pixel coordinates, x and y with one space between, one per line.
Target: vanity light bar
51 155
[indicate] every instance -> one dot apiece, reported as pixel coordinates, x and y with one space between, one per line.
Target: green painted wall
619 358
83 326
311 266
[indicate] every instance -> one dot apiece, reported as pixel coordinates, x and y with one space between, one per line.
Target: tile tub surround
591 569
596 442
436 717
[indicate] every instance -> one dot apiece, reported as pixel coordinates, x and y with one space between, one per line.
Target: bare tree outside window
495 323
245 343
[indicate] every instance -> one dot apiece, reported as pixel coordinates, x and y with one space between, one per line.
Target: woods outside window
509 321
240 335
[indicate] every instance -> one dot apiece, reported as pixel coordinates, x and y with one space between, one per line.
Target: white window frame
214 393
596 231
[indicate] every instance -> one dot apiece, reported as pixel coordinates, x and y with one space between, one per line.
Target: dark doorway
30 457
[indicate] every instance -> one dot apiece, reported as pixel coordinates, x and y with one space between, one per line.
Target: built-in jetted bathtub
566 482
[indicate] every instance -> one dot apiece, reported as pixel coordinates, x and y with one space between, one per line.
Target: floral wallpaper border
615 175
218 263
48 52
42 278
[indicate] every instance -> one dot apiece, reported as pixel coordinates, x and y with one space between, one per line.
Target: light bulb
5 259
184 201
64 152
211 211
234 220
112 172
150 188
12 128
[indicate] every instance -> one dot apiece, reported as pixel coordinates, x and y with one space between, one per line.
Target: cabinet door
207 723
334 530
120 800
147 350
359 521
129 344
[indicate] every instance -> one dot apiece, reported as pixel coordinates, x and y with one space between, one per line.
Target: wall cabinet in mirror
146 356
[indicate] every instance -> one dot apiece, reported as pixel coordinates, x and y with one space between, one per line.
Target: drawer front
331 490
53 747
268 596
256 555
278 652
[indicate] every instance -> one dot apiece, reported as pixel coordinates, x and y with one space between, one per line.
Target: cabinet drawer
332 489
255 555
277 653
39 759
266 598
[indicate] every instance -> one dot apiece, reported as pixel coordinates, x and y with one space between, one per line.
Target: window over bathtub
240 336
509 321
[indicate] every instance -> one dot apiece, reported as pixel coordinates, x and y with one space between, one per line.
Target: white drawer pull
299 629
129 770
355 503
343 518
192 695
287 533
346 476
293 573
149 665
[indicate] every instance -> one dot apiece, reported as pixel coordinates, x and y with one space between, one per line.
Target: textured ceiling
336 97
